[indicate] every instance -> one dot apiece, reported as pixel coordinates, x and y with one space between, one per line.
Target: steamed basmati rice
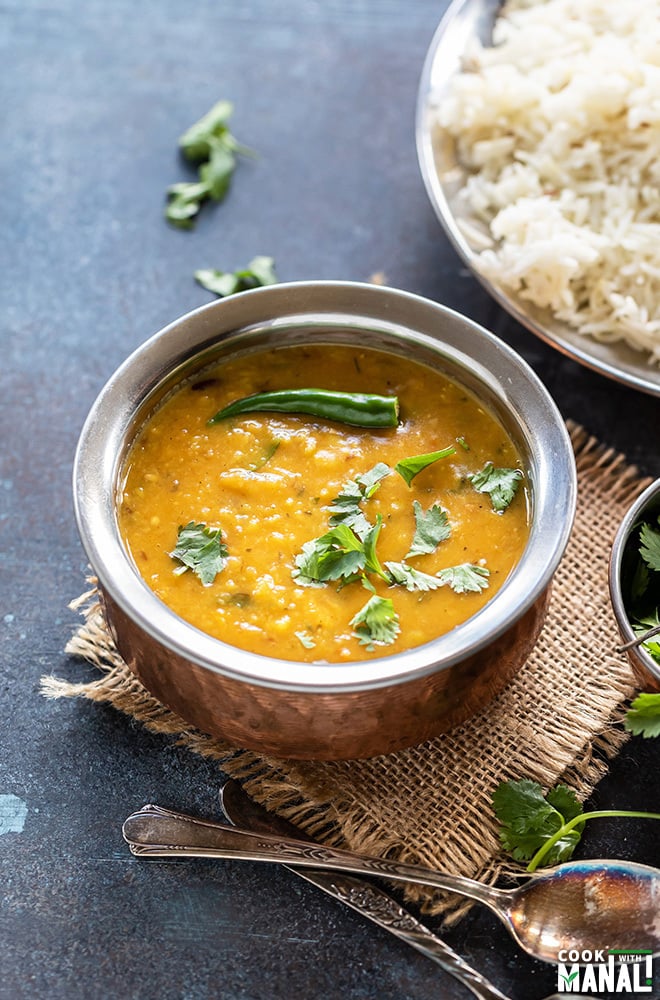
558 126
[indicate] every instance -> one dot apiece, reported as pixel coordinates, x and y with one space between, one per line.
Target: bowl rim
102 439
644 500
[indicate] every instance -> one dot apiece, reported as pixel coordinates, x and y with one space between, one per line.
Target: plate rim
632 374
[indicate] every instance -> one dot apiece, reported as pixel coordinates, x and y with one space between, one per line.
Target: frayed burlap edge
354 803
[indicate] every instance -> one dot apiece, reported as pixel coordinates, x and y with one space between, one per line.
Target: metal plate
444 178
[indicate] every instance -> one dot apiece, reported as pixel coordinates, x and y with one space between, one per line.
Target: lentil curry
305 538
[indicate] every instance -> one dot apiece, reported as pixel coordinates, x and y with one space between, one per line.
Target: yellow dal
181 470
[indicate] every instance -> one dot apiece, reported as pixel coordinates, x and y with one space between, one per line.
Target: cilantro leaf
529 819
210 143
408 468
564 800
377 623
336 554
307 570
305 639
185 202
200 549
544 828
196 141
520 805
411 579
260 271
464 578
346 506
217 172
500 484
649 546
370 481
431 528
643 716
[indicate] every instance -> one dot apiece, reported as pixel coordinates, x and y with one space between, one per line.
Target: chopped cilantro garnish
210 143
305 639
346 506
260 271
431 528
411 579
465 578
347 552
377 623
336 554
500 484
200 549
408 468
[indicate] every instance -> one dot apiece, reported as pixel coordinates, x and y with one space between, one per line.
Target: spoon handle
157 832
361 895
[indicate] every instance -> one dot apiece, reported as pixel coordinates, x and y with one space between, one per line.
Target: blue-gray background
95 96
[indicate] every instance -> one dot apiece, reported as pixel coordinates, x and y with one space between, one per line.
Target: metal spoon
363 896
582 906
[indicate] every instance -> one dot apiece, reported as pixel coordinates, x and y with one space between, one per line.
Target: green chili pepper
357 408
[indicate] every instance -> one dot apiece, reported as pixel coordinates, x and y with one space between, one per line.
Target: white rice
558 126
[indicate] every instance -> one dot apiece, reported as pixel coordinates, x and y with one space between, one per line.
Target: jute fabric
559 720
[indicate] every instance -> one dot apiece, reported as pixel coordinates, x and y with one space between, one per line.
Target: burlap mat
558 720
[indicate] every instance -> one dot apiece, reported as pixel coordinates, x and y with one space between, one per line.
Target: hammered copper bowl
645 508
325 711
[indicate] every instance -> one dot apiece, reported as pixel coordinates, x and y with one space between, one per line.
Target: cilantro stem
577 821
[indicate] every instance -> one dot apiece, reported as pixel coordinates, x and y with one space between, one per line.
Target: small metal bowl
326 711
646 670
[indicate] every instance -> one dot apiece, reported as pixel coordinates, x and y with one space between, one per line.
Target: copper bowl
645 507
326 711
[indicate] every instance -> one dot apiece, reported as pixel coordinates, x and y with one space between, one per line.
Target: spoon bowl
585 906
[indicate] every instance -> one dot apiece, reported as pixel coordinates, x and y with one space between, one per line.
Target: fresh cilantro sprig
259 272
500 484
201 549
544 827
643 716
210 143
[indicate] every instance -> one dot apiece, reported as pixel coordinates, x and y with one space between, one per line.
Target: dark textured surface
95 96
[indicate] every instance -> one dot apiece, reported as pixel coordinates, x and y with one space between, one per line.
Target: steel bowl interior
645 507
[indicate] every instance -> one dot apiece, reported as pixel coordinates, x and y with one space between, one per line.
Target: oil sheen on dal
267 481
